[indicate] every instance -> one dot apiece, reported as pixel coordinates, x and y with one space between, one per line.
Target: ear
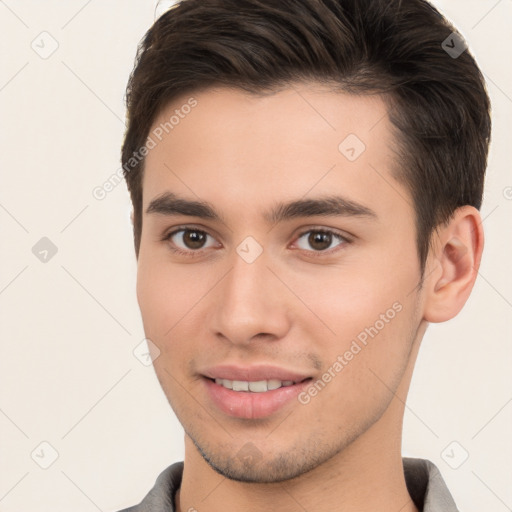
454 261
131 217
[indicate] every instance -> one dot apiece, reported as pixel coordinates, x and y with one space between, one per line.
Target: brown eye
193 239
189 240
318 240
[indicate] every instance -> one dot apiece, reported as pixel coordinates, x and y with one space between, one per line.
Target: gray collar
424 483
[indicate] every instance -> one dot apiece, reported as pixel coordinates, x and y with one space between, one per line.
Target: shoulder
161 497
426 486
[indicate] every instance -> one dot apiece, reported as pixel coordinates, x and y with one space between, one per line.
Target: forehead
231 144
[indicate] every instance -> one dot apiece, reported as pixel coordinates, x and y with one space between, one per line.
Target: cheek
367 358
168 297
364 313
376 345
344 301
161 307
159 297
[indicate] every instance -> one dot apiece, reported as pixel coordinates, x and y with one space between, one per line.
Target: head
267 99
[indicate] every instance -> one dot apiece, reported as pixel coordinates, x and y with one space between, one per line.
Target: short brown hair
437 103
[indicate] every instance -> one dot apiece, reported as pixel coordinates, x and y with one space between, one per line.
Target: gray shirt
424 483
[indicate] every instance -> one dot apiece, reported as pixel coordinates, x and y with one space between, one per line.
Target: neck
363 478
366 476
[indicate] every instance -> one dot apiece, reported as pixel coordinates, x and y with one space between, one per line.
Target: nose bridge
248 278
247 304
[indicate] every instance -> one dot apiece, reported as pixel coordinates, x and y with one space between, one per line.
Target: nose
250 303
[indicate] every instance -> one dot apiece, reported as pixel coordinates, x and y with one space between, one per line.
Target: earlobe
457 254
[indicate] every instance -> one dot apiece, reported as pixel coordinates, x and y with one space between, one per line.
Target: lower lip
249 405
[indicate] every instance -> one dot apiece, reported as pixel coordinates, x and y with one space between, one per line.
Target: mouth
253 399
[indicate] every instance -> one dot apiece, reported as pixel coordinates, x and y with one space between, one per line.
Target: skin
243 154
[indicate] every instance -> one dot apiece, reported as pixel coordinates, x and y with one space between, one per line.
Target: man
306 177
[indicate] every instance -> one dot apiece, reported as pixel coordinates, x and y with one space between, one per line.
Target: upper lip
253 373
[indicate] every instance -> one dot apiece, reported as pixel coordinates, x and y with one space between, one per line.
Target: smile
259 386
252 399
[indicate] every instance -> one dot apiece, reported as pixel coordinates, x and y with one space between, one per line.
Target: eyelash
193 253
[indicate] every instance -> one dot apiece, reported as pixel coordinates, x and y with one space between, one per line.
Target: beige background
69 377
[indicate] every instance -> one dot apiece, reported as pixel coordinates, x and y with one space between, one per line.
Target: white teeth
224 382
240 385
273 384
259 386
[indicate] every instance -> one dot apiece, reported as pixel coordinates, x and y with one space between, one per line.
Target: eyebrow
170 204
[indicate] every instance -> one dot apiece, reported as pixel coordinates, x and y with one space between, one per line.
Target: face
276 246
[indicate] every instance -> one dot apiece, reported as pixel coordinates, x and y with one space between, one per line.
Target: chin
249 465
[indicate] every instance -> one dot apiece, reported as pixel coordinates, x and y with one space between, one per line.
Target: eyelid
323 229
186 227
